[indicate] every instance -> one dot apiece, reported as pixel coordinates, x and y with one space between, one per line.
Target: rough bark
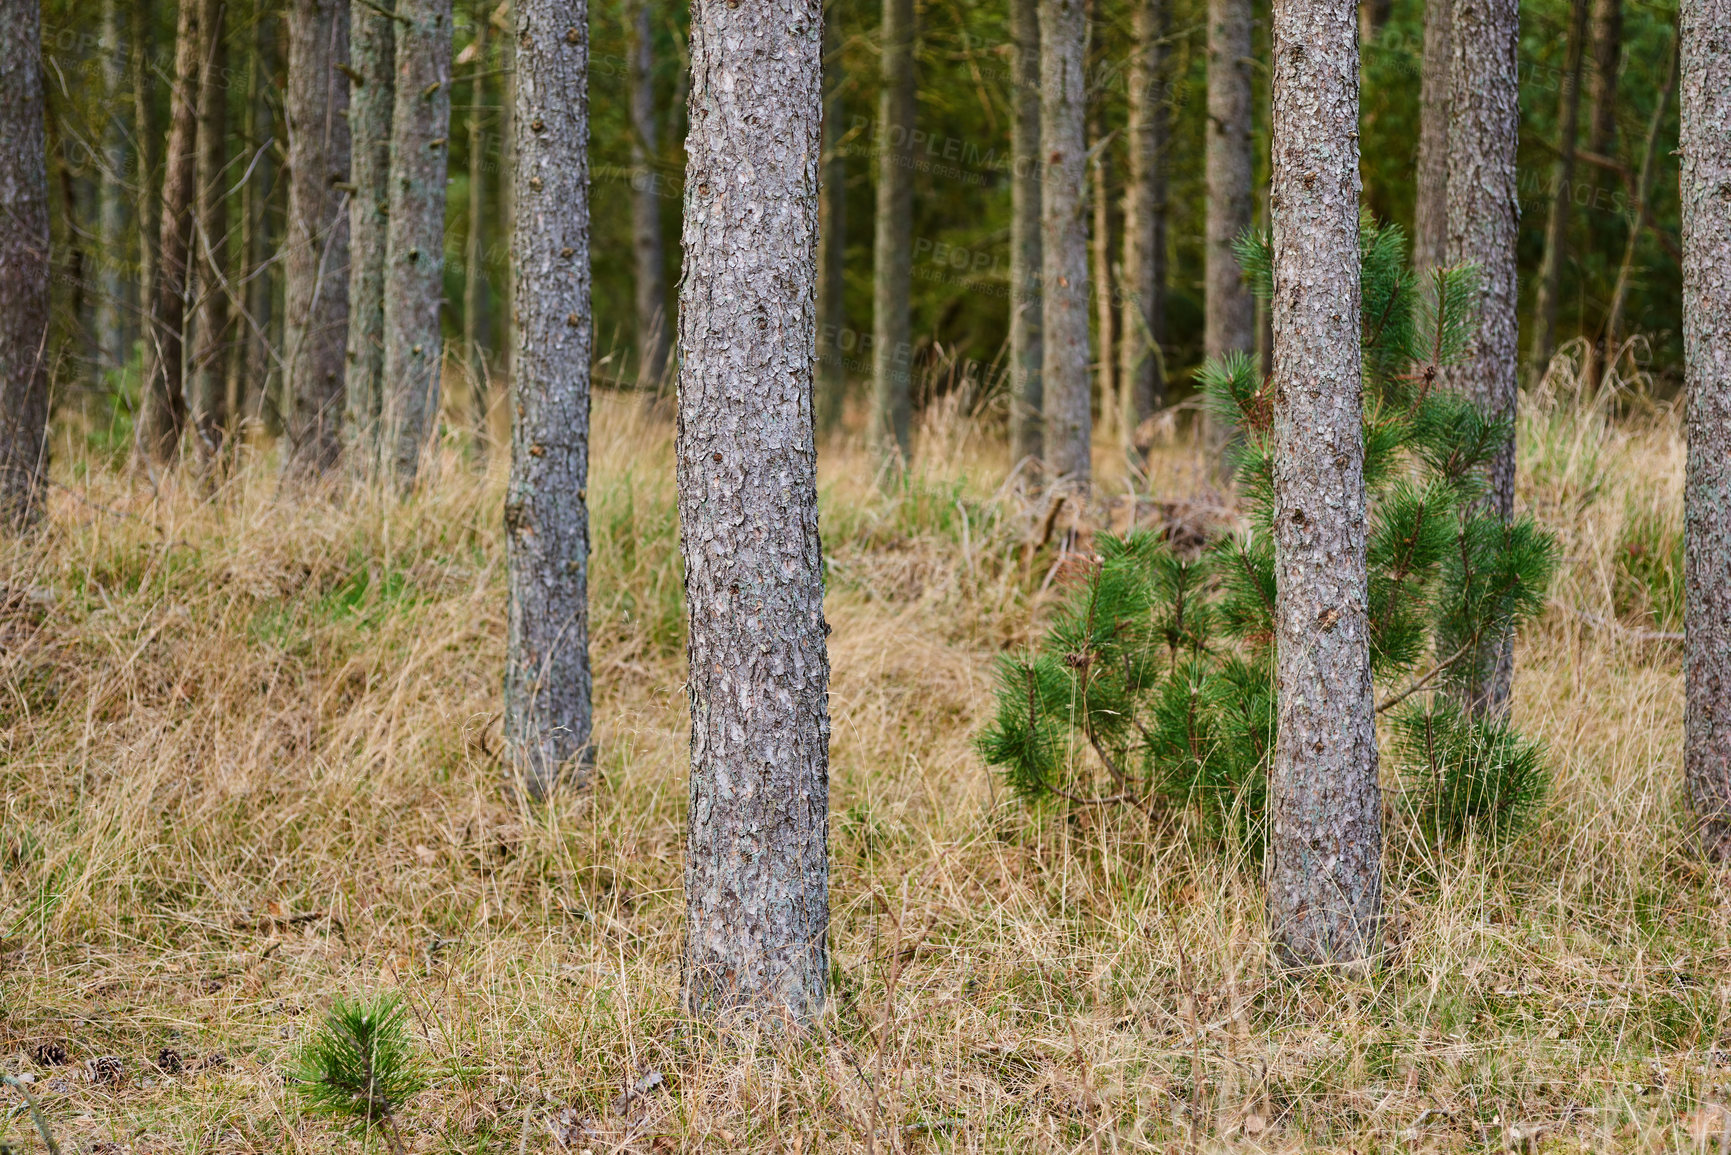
1484 221
111 199
832 245
892 249
415 234
1705 33
474 272
372 95
1325 809
1430 228
24 268
548 715
654 334
756 866
1068 421
1550 279
1143 378
1230 310
1027 347
207 389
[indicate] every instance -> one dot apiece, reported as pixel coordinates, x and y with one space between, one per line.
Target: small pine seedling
358 1067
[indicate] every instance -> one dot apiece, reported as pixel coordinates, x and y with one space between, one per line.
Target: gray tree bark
1027 347
1100 260
1325 809
654 334
1230 318
111 298
1430 229
207 393
1068 421
1550 279
24 268
415 234
474 253
372 95
892 250
756 866
1143 373
1705 32
1484 222
832 245
548 716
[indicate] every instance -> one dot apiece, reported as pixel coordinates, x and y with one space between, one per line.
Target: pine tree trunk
757 843
653 332
317 261
1231 311
832 245
1027 346
1705 34
149 217
372 95
164 399
1064 242
1143 381
415 234
1483 215
111 199
1430 229
892 256
24 269
1100 258
1550 278
548 715
1325 809
507 188
207 394
252 386
474 253
1607 21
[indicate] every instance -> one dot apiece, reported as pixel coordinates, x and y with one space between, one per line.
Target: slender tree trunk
208 392
892 257
1100 244
372 96
1230 310
1704 28
653 331
1483 215
1430 229
1607 21
832 243
1562 197
1143 373
111 198
1325 810
757 843
1638 211
24 268
318 241
149 220
1027 346
415 237
1064 242
474 253
507 188
253 388
164 399
548 715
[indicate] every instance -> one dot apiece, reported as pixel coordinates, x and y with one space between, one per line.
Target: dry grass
249 764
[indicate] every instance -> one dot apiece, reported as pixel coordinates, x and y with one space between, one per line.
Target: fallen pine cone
168 1061
49 1054
106 1070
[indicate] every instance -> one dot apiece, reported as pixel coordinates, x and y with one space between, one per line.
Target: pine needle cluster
359 1066
1153 687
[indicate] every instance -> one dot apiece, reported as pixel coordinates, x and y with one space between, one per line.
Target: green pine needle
359 1065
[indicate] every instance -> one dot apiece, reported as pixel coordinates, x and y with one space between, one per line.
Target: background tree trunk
1325 810
832 244
756 864
1639 196
1230 310
23 268
1064 241
111 298
1027 347
548 715
1430 227
474 253
1550 277
250 391
1484 219
1100 259
892 252
208 392
372 96
653 332
1143 378
317 259
1705 33
415 234
149 217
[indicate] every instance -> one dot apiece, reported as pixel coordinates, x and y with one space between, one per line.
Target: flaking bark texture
892 250
317 260
832 245
24 269
756 867
548 715
1230 320
415 234
1068 422
372 89
1430 229
1144 281
1325 809
1705 30
1550 278
654 334
1027 347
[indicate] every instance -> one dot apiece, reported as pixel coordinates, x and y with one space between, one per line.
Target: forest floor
249 762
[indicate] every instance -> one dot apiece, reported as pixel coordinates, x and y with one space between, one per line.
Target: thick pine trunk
1705 34
1484 220
1230 309
1325 809
547 679
1142 376
892 250
111 299
1027 347
24 270
1064 242
372 88
415 234
1550 280
832 246
756 864
474 253
1430 228
207 390
654 335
